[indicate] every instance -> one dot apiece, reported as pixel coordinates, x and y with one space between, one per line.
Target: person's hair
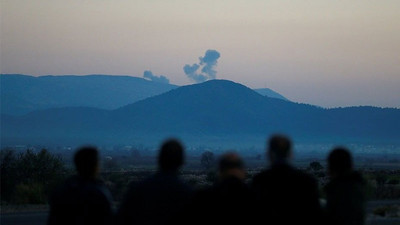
340 161
86 161
230 161
280 146
171 155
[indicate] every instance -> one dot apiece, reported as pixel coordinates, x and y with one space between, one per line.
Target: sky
326 53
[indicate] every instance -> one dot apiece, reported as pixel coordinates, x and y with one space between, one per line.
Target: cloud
207 65
191 72
160 79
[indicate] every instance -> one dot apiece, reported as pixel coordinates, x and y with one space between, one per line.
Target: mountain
220 107
214 111
21 94
270 93
216 106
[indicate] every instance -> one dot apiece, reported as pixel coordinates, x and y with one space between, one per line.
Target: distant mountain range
214 111
21 94
270 93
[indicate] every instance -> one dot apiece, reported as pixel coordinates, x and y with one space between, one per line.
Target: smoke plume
207 65
161 79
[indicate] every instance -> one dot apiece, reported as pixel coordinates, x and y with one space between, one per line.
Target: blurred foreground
28 178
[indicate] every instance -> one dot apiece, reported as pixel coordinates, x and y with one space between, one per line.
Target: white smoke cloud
207 65
161 79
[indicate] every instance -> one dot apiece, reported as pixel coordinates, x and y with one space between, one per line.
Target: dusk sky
327 53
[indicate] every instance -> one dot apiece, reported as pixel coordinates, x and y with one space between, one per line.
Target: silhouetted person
345 193
229 200
160 198
83 199
284 194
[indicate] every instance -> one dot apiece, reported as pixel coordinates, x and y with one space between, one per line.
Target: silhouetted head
231 165
86 161
171 155
279 149
340 162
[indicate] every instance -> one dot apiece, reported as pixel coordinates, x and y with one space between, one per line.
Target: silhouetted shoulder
346 199
354 178
283 190
259 177
305 177
343 188
226 202
81 200
161 198
156 200
285 173
163 181
75 188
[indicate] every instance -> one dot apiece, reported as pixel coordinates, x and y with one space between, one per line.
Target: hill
214 111
270 93
21 94
216 106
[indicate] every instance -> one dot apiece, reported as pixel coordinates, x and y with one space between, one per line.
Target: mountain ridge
270 93
213 110
21 94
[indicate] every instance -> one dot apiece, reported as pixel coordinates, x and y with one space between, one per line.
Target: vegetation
28 177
